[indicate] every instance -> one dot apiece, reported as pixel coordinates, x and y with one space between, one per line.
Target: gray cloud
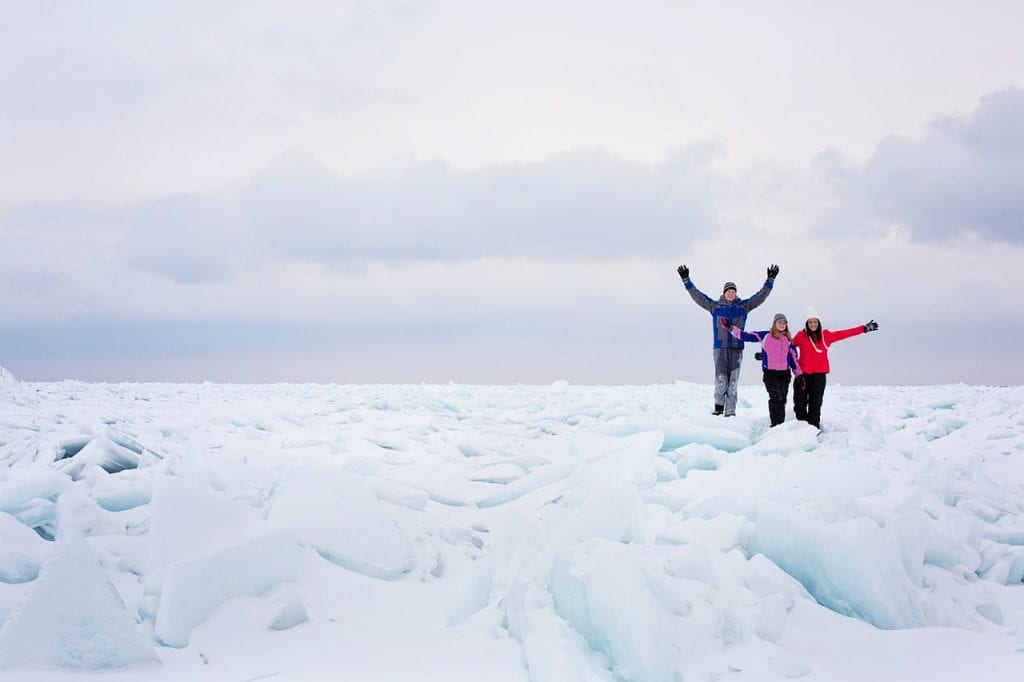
73 83
560 268
586 203
44 247
55 215
576 205
189 239
965 175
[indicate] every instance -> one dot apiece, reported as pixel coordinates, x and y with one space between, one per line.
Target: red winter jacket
814 355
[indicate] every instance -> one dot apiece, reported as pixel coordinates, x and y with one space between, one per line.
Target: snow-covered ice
508 533
73 618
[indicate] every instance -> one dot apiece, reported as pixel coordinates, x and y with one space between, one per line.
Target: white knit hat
811 312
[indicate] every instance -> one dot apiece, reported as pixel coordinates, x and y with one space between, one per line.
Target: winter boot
719 409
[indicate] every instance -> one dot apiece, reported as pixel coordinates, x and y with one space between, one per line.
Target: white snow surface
508 533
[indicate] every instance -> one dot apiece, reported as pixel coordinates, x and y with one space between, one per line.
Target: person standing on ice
728 350
812 343
778 359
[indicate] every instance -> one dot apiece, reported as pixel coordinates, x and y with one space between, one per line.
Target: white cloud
114 101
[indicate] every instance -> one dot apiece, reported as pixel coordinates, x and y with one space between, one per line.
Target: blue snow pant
727 377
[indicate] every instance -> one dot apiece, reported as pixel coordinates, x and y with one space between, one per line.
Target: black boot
719 409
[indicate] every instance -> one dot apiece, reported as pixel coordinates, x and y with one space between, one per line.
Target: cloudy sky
495 192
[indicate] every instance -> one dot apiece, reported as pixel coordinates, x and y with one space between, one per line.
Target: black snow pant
777 383
727 378
807 400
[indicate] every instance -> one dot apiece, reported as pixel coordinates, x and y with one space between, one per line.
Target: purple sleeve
747 336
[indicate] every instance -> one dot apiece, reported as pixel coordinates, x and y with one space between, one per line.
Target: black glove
870 326
801 383
773 271
757 356
725 323
684 272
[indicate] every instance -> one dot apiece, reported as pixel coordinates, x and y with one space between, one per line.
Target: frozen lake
508 533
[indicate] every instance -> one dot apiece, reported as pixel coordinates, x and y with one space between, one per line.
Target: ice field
507 533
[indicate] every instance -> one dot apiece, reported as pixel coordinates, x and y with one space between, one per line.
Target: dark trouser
777 383
807 401
727 377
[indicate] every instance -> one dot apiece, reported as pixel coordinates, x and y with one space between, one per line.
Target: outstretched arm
758 298
831 336
738 333
700 298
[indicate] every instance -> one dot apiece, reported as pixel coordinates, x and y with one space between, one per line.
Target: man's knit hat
780 316
729 285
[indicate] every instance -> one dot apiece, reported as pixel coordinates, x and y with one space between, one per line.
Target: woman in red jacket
813 343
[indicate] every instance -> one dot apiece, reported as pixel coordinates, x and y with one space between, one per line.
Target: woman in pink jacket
778 359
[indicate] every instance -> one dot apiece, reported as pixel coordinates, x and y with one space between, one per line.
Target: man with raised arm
728 350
